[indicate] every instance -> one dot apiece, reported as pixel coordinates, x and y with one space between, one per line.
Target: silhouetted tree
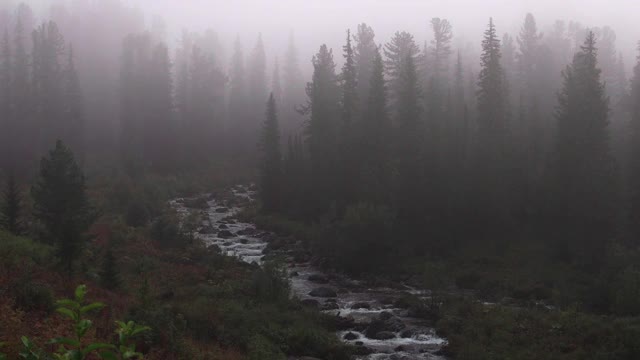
61 204
271 177
363 56
322 131
635 146
582 168
396 52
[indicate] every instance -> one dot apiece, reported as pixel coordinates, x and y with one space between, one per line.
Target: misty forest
319 192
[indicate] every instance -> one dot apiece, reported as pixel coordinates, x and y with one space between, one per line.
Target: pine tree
257 88
21 126
276 86
409 144
293 90
582 168
364 53
61 204
438 58
396 52
322 130
349 85
347 129
11 207
374 156
6 100
492 124
635 146
73 109
271 178
159 131
237 112
492 154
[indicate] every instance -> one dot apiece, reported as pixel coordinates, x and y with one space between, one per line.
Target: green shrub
260 348
34 296
627 293
166 232
137 214
20 252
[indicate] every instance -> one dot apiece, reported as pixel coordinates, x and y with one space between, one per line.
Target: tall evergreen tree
271 177
21 122
257 87
61 204
408 143
347 129
6 99
375 152
12 207
364 53
237 112
491 165
396 52
582 168
293 90
322 130
276 85
73 109
635 146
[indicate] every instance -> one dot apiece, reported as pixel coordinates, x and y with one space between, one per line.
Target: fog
325 21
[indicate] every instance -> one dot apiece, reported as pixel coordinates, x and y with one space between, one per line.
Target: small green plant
72 347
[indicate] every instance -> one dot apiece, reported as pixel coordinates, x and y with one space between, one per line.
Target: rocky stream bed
371 318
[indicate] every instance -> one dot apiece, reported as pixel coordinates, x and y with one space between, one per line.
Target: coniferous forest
174 191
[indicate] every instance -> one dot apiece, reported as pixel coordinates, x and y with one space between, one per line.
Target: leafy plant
72 347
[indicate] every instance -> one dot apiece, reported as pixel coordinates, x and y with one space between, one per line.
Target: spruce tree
375 152
396 52
276 85
73 109
408 143
6 99
237 113
293 90
61 204
347 129
12 207
582 168
322 129
271 177
364 53
257 87
492 154
635 147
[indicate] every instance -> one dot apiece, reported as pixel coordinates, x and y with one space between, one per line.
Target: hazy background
325 21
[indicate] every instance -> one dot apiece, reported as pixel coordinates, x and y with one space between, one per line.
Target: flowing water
398 335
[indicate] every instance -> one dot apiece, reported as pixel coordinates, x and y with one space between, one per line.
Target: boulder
244 241
384 323
361 350
248 232
361 305
330 306
323 292
311 303
223 227
350 336
225 234
222 210
383 335
207 230
344 323
407 333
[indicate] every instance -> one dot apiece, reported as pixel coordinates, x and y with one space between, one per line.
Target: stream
369 316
